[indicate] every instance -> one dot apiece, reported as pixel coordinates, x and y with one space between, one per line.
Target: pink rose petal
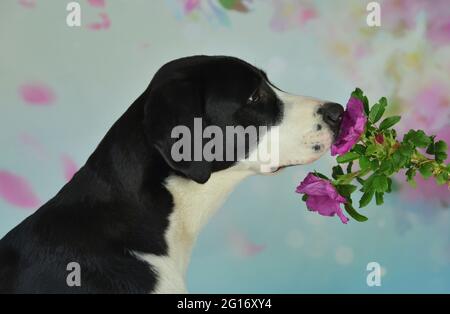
352 127
37 94
322 197
70 167
17 191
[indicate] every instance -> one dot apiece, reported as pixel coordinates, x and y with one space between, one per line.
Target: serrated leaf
347 157
354 214
389 122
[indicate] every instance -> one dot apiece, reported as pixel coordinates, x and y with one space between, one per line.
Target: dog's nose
332 115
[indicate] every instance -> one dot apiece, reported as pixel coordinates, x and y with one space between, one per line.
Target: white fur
194 203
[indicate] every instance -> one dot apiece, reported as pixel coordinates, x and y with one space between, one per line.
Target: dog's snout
332 115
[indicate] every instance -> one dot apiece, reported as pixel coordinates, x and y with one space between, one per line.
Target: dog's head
204 114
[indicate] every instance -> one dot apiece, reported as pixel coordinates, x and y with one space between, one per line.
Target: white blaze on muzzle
300 138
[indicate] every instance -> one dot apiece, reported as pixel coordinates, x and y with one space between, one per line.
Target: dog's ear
176 103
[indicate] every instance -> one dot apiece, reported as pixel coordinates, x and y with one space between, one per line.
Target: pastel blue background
96 75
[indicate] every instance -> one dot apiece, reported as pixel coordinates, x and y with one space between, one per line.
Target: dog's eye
254 98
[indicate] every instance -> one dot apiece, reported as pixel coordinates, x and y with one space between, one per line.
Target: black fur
117 204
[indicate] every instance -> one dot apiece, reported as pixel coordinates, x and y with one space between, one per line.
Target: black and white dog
130 216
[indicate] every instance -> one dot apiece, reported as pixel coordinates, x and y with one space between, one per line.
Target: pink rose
322 197
352 127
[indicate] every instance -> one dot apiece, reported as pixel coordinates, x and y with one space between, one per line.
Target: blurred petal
37 94
17 191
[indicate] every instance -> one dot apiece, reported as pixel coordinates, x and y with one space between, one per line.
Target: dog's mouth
284 167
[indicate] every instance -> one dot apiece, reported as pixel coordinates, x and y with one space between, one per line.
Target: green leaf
360 149
440 151
418 138
398 160
410 174
440 157
380 183
347 157
366 198
386 166
373 150
406 149
389 189
374 164
442 178
228 4
367 186
305 197
358 93
389 122
349 167
361 181
337 171
346 189
426 170
364 162
365 101
322 176
440 147
379 198
354 214
430 149
377 110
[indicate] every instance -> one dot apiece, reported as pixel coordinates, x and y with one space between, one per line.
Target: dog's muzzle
332 115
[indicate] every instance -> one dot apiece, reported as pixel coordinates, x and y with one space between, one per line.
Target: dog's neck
193 205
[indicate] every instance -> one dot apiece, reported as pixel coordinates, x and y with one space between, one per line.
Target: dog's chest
193 205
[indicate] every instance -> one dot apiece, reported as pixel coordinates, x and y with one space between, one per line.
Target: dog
130 216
